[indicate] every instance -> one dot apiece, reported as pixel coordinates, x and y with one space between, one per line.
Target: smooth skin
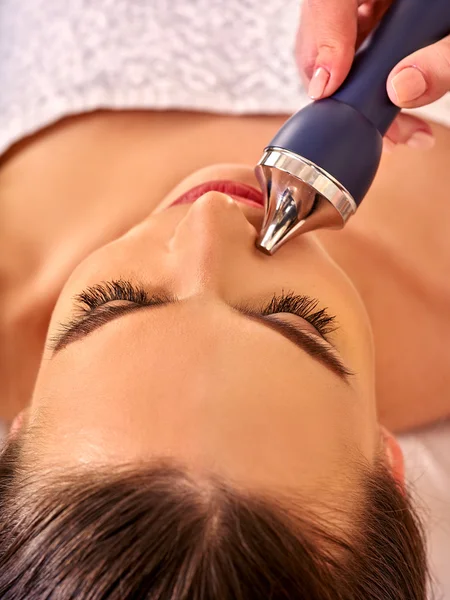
86 201
87 180
196 380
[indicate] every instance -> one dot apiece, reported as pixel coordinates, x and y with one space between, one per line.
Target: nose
212 237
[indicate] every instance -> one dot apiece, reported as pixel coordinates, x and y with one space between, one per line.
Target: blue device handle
343 134
407 26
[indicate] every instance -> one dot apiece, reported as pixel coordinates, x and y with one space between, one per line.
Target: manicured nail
421 140
318 83
388 145
409 84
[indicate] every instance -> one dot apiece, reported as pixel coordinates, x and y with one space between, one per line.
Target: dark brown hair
159 531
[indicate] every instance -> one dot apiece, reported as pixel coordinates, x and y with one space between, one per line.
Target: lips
239 191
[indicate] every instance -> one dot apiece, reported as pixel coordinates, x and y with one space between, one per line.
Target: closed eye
98 306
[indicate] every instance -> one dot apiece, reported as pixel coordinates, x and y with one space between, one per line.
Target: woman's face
181 357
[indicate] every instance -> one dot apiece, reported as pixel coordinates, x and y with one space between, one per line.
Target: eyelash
96 296
117 289
304 307
100 294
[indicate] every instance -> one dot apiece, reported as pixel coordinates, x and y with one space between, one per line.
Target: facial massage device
318 168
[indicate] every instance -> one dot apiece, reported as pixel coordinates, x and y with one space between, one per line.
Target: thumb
326 43
422 77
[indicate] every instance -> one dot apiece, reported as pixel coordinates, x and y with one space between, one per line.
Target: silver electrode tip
299 197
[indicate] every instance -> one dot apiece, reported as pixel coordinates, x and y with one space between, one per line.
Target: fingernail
388 145
318 83
421 140
409 84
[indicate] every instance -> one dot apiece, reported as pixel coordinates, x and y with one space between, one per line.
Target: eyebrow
315 346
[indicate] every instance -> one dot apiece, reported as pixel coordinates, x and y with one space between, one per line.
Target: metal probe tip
299 197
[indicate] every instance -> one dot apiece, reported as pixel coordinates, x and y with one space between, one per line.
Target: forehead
199 387
206 344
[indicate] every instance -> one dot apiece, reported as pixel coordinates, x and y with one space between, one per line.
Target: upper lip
232 188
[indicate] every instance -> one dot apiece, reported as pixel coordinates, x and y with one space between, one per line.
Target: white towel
61 58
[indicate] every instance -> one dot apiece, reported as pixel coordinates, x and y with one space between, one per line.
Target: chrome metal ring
313 175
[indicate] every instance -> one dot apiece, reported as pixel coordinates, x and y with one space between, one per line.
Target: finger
327 37
305 48
369 15
422 77
412 131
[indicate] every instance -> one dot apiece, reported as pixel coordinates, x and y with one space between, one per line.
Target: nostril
218 221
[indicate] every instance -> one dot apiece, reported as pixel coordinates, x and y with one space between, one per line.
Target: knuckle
443 51
335 52
330 47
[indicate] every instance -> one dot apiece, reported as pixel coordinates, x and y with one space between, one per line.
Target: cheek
318 275
315 273
104 264
134 256
129 256
354 334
